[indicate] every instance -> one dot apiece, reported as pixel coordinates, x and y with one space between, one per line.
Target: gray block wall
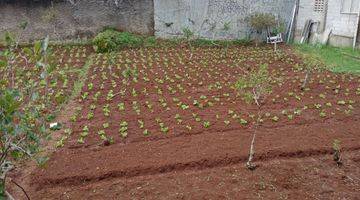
83 19
342 25
207 17
306 12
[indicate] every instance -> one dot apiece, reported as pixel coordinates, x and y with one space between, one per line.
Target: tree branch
256 97
9 196
27 196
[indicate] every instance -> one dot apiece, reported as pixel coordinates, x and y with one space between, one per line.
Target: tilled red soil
294 156
202 166
307 178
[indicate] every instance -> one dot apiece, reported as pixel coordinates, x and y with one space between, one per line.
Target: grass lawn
337 59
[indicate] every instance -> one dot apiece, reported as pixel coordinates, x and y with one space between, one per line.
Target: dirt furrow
196 165
81 166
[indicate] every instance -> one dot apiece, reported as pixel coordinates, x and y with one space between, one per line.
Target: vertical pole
292 27
323 25
291 24
356 29
275 46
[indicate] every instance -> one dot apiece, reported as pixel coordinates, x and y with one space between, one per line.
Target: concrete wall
167 18
83 19
205 16
306 12
342 25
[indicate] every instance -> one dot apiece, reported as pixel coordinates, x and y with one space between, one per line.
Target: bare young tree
311 64
254 87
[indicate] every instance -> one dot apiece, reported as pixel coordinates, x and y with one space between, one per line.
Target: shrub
111 40
150 42
261 21
255 85
22 121
337 150
19 132
244 41
311 63
200 42
189 36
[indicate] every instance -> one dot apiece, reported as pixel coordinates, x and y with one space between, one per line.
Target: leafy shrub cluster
112 40
255 85
22 120
261 21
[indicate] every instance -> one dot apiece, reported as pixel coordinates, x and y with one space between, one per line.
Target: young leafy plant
337 152
311 64
226 28
188 34
256 85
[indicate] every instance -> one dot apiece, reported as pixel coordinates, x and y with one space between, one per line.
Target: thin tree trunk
22 189
256 97
45 67
226 49
305 80
9 196
191 50
249 164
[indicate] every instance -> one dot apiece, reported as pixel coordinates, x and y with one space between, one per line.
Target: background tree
50 16
254 87
22 122
189 36
226 28
261 22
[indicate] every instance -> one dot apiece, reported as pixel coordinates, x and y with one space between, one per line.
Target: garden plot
149 115
149 94
66 66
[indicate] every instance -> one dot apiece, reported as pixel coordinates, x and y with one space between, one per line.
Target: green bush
261 21
244 42
150 42
112 40
204 42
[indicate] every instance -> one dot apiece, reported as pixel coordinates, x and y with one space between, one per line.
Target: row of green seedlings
121 107
206 124
159 91
257 85
275 118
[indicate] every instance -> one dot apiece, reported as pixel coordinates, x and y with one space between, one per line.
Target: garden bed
158 114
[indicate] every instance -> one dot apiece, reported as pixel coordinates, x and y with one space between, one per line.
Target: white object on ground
54 125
